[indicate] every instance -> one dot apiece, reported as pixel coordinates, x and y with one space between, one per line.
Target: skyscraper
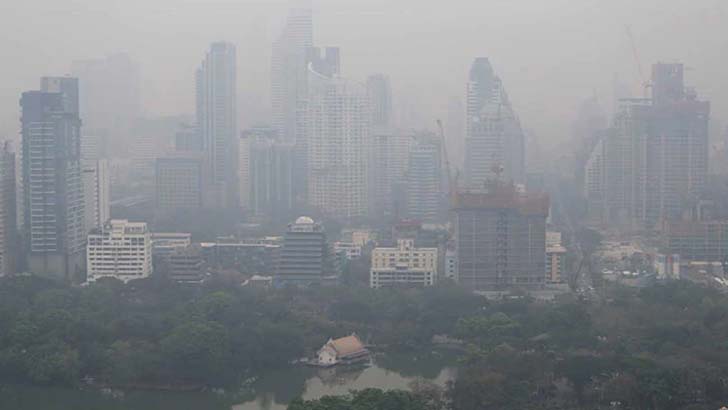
289 71
271 173
8 221
380 100
54 219
652 164
500 238
424 178
217 120
335 128
96 191
494 146
180 182
388 161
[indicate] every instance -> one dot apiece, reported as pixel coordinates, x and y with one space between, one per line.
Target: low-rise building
403 265
349 349
347 250
121 250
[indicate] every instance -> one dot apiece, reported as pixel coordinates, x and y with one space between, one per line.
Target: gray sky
550 53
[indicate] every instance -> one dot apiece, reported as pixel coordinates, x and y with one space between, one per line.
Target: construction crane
644 83
452 183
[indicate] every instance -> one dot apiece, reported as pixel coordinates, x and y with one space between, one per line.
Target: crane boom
451 183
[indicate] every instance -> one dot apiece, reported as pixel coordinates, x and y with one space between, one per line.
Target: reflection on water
276 389
271 392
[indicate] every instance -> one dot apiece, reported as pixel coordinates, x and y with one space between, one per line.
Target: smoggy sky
551 54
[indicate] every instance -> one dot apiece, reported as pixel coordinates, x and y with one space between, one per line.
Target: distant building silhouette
494 138
217 120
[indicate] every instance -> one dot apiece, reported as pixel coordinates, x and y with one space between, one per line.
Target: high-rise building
109 97
8 218
180 182
244 170
652 164
289 72
403 265
500 238
424 178
53 230
380 101
305 254
335 128
121 250
271 173
96 191
188 138
494 145
217 120
389 153
455 133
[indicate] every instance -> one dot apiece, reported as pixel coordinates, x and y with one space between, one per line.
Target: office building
500 238
270 173
699 241
96 191
380 102
424 179
403 265
289 74
185 265
179 183
305 258
335 128
8 217
389 153
494 145
120 250
217 121
54 231
652 164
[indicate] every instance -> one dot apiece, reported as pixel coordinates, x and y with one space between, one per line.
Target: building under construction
500 237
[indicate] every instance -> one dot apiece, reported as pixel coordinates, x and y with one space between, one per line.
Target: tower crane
645 83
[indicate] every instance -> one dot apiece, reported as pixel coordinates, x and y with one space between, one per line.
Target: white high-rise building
335 125
217 120
121 250
289 71
403 265
96 191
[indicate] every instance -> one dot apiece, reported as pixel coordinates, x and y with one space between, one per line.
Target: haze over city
551 54
364 205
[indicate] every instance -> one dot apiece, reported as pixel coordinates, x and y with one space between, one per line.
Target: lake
272 391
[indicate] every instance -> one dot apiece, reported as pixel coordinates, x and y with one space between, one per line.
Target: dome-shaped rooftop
304 220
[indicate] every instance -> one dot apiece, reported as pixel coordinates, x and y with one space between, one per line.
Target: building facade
336 132
500 238
652 164
270 173
379 90
495 142
54 230
424 179
389 154
179 183
403 265
305 255
8 215
217 120
97 192
121 250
